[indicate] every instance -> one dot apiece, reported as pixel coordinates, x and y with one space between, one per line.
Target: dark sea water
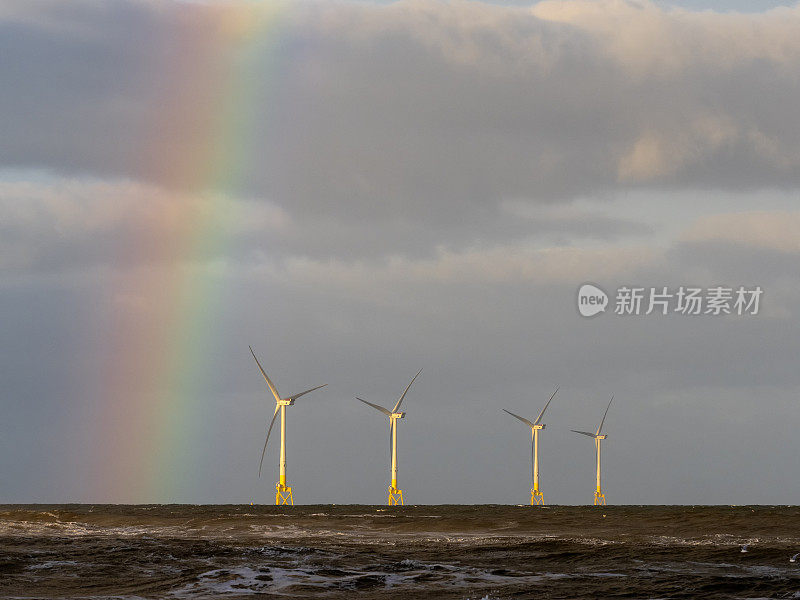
179 551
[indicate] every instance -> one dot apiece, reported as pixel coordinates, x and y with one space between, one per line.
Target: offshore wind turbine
599 496
536 496
283 493
395 495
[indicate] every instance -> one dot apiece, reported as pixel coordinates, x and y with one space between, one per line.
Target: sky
360 190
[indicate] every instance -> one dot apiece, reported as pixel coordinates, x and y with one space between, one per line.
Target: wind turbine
283 493
536 426
599 496
395 494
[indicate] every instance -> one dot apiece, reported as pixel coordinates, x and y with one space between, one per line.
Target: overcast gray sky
360 190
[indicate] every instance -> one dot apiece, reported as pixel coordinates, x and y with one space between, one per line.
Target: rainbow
214 77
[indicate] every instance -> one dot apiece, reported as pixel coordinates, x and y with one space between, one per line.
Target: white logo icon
591 300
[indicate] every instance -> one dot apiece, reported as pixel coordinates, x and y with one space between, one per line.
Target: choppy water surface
178 551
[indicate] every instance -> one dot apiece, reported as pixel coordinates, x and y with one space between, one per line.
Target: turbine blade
399 402
541 414
269 383
591 435
523 419
604 416
296 396
264 451
375 406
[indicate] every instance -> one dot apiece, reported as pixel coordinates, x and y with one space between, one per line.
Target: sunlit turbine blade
604 416
264 451
523 419
541 414
399 402
591 435
269 383
385 411
296 396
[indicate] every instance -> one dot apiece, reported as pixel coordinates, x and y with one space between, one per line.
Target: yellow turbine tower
599 496
283 493
395 495
536 496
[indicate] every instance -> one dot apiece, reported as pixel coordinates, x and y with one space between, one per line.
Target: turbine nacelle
539 426
601 437
286 402
397 415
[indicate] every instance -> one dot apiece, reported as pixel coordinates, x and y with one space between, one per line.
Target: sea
460 552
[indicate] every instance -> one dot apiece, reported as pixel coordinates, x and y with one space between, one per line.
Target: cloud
667 43
510 264
58 224
769 230
68 224
436 109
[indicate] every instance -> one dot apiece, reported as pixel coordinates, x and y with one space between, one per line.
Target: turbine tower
395 495
599 496
536 426
283 493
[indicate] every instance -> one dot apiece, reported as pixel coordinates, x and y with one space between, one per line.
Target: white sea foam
246 580
53 564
